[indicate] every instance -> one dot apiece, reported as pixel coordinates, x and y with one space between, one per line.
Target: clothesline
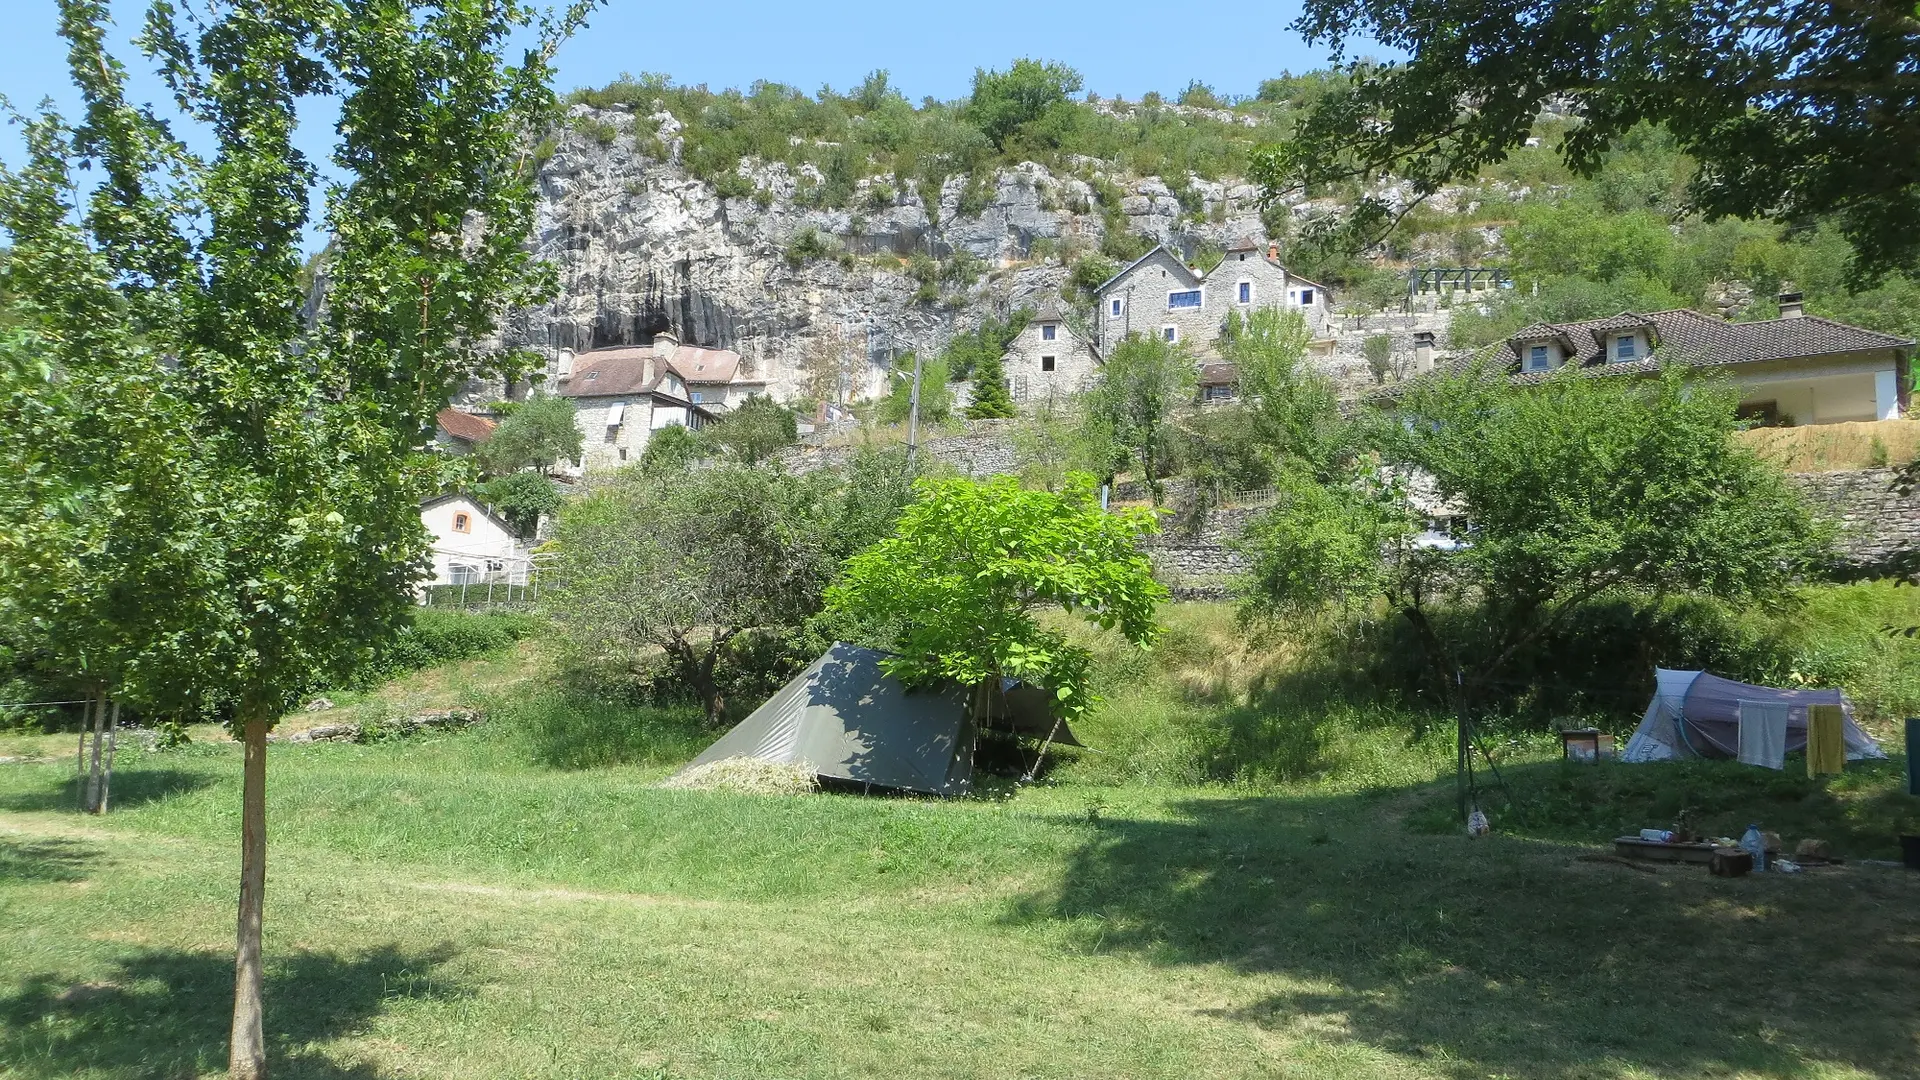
31 704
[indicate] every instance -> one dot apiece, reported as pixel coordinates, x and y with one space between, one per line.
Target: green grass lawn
477 905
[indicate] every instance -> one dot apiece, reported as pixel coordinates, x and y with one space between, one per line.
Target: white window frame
1539 358
1170 334
1306 297
616 413
1201 293
1114 306
1049 363
1049 331
1626 348
1243 291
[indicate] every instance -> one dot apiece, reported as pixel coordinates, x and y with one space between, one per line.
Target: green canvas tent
850 721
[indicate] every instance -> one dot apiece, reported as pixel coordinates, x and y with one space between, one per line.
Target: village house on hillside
1160 294
459 432
472 546
1049 358
1797 368
623 395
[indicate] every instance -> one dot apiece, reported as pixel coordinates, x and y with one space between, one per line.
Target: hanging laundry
1763 734
1826 740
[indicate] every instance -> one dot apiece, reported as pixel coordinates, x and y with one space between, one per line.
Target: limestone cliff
641 245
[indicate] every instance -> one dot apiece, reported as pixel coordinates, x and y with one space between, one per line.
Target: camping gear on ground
1657 836
1586 745
1763 734
1755 845
1477 823
1729 862
1696 714
1632 847
1826 740
850 721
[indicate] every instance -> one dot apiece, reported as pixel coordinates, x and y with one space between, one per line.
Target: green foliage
538 434
672 449
971 563
988 341
431 638
687 564
1132 404
1574 489
936 397
1029 92
521 498
806 246
991 399
1802 127
1088 274
1379 352
756 430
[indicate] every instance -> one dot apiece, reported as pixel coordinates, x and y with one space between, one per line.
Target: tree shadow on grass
131 787
44 860
1504 956
166 1013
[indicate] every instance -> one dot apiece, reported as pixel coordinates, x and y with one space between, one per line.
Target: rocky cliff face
641 246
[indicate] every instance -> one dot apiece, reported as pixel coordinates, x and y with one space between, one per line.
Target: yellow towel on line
1826 740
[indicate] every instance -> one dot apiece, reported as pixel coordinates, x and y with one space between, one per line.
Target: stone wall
1875 520
983 449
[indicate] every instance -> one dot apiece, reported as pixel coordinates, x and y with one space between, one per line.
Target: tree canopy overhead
1794 109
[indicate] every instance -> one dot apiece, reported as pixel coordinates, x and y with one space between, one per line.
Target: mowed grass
465 905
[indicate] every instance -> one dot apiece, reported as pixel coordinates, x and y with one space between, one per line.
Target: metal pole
913 414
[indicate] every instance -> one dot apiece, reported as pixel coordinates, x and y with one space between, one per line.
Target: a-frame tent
848 720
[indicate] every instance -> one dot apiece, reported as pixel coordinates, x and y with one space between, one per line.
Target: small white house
471 546
1161 295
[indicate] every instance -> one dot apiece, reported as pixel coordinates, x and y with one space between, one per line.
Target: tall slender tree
309 439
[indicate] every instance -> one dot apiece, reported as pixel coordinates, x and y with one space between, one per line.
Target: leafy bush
442 637
807 245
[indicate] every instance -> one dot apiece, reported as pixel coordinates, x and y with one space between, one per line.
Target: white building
1049 359
471 546
1161 295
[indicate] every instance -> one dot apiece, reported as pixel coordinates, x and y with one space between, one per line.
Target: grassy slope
457 907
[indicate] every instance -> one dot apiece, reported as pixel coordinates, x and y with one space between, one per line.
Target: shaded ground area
1506 956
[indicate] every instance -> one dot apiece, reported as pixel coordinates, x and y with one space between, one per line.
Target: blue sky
1122 47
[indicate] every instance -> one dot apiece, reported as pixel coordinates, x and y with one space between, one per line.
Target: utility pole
913 413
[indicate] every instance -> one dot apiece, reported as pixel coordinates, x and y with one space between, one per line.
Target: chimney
664 344
646 371
1422 351
563 363
1790 305
1273 252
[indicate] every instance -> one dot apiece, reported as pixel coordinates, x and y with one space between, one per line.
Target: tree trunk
93 766
106 777
80 754
247 1059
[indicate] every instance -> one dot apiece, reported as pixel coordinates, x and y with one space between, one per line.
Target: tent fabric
1697 714
847 719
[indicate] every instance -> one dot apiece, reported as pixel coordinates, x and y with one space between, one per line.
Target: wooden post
93 768
247 1055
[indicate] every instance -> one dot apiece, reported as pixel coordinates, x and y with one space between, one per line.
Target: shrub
807 245
442 637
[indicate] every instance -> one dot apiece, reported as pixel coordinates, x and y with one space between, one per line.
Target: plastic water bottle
1755 845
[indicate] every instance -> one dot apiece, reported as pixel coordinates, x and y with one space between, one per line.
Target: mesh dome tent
850 721
1694 714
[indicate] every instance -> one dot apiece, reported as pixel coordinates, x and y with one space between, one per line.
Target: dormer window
1539 358
1625 348
1047 332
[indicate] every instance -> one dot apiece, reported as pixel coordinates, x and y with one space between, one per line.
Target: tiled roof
697 365
1222 374
605 372
464 425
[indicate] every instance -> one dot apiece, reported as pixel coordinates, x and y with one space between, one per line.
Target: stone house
471 545
622 396
1049 359
1160 294
1798 368
458 432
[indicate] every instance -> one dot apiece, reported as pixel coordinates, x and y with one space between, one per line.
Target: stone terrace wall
1875 520
984 449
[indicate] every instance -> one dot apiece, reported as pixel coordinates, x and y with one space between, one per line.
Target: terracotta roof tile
606 372
464 425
